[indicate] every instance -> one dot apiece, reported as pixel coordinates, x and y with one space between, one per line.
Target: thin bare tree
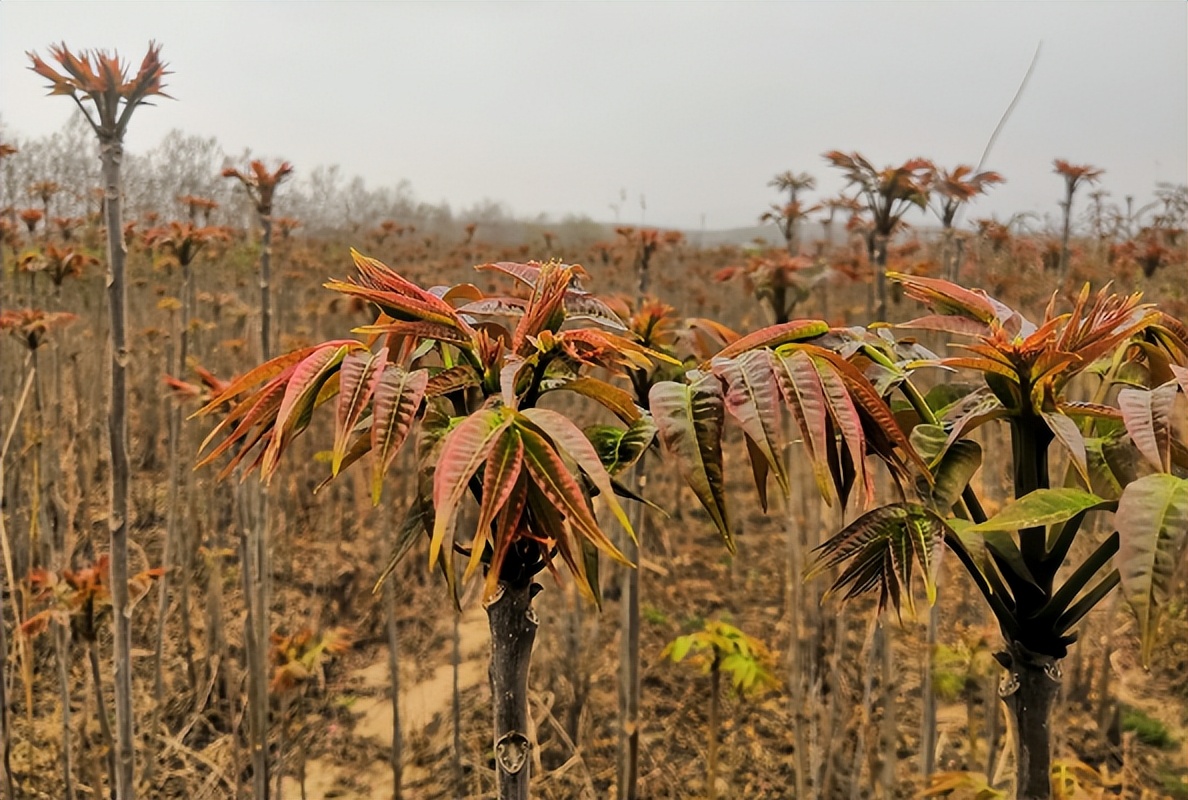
101 86
1074 175
788 215
261 184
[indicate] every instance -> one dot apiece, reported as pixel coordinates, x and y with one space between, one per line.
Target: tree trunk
177 366
111 153
928 732
456 776
1029 692
258 578
5 733
887 734
711 755
629 673
101 715
1064 235
62 656
880 267
266 285
513 630
257 699
396 756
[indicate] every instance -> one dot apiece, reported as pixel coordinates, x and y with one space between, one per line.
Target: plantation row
1028 460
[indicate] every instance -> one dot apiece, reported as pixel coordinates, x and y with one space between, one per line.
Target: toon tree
1126 451
106 93
468 372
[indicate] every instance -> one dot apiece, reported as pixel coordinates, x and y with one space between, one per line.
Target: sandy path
421 705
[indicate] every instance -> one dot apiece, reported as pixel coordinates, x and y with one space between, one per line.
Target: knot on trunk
1018 659
511 752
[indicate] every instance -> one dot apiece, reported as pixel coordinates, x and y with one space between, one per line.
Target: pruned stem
111 153
711 757
1029 691
513 625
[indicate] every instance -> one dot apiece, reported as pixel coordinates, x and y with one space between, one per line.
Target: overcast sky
557 107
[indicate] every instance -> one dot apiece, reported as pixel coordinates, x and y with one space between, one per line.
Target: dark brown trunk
513 630
1029 691
928 732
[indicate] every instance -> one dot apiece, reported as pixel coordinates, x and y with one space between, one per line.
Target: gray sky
556 107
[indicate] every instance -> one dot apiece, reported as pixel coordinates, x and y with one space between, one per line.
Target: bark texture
629 673
111 153
1029 690
513 625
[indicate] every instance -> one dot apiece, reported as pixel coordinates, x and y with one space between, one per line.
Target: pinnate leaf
689 419
1041 507
397 396
360 372
882 549
1147 414
1152 522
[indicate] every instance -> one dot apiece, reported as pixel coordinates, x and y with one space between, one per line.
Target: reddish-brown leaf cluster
32 325
300 656
260 182
84 593
103 78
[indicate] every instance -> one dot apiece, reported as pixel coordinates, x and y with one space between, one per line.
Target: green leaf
1103 482
1006 553
591 559
618 448
1152 522
689 419
929 441
972 542
677 649
1041 507
418 519
612 397
954 472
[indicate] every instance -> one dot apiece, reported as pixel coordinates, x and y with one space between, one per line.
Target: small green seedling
722 648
